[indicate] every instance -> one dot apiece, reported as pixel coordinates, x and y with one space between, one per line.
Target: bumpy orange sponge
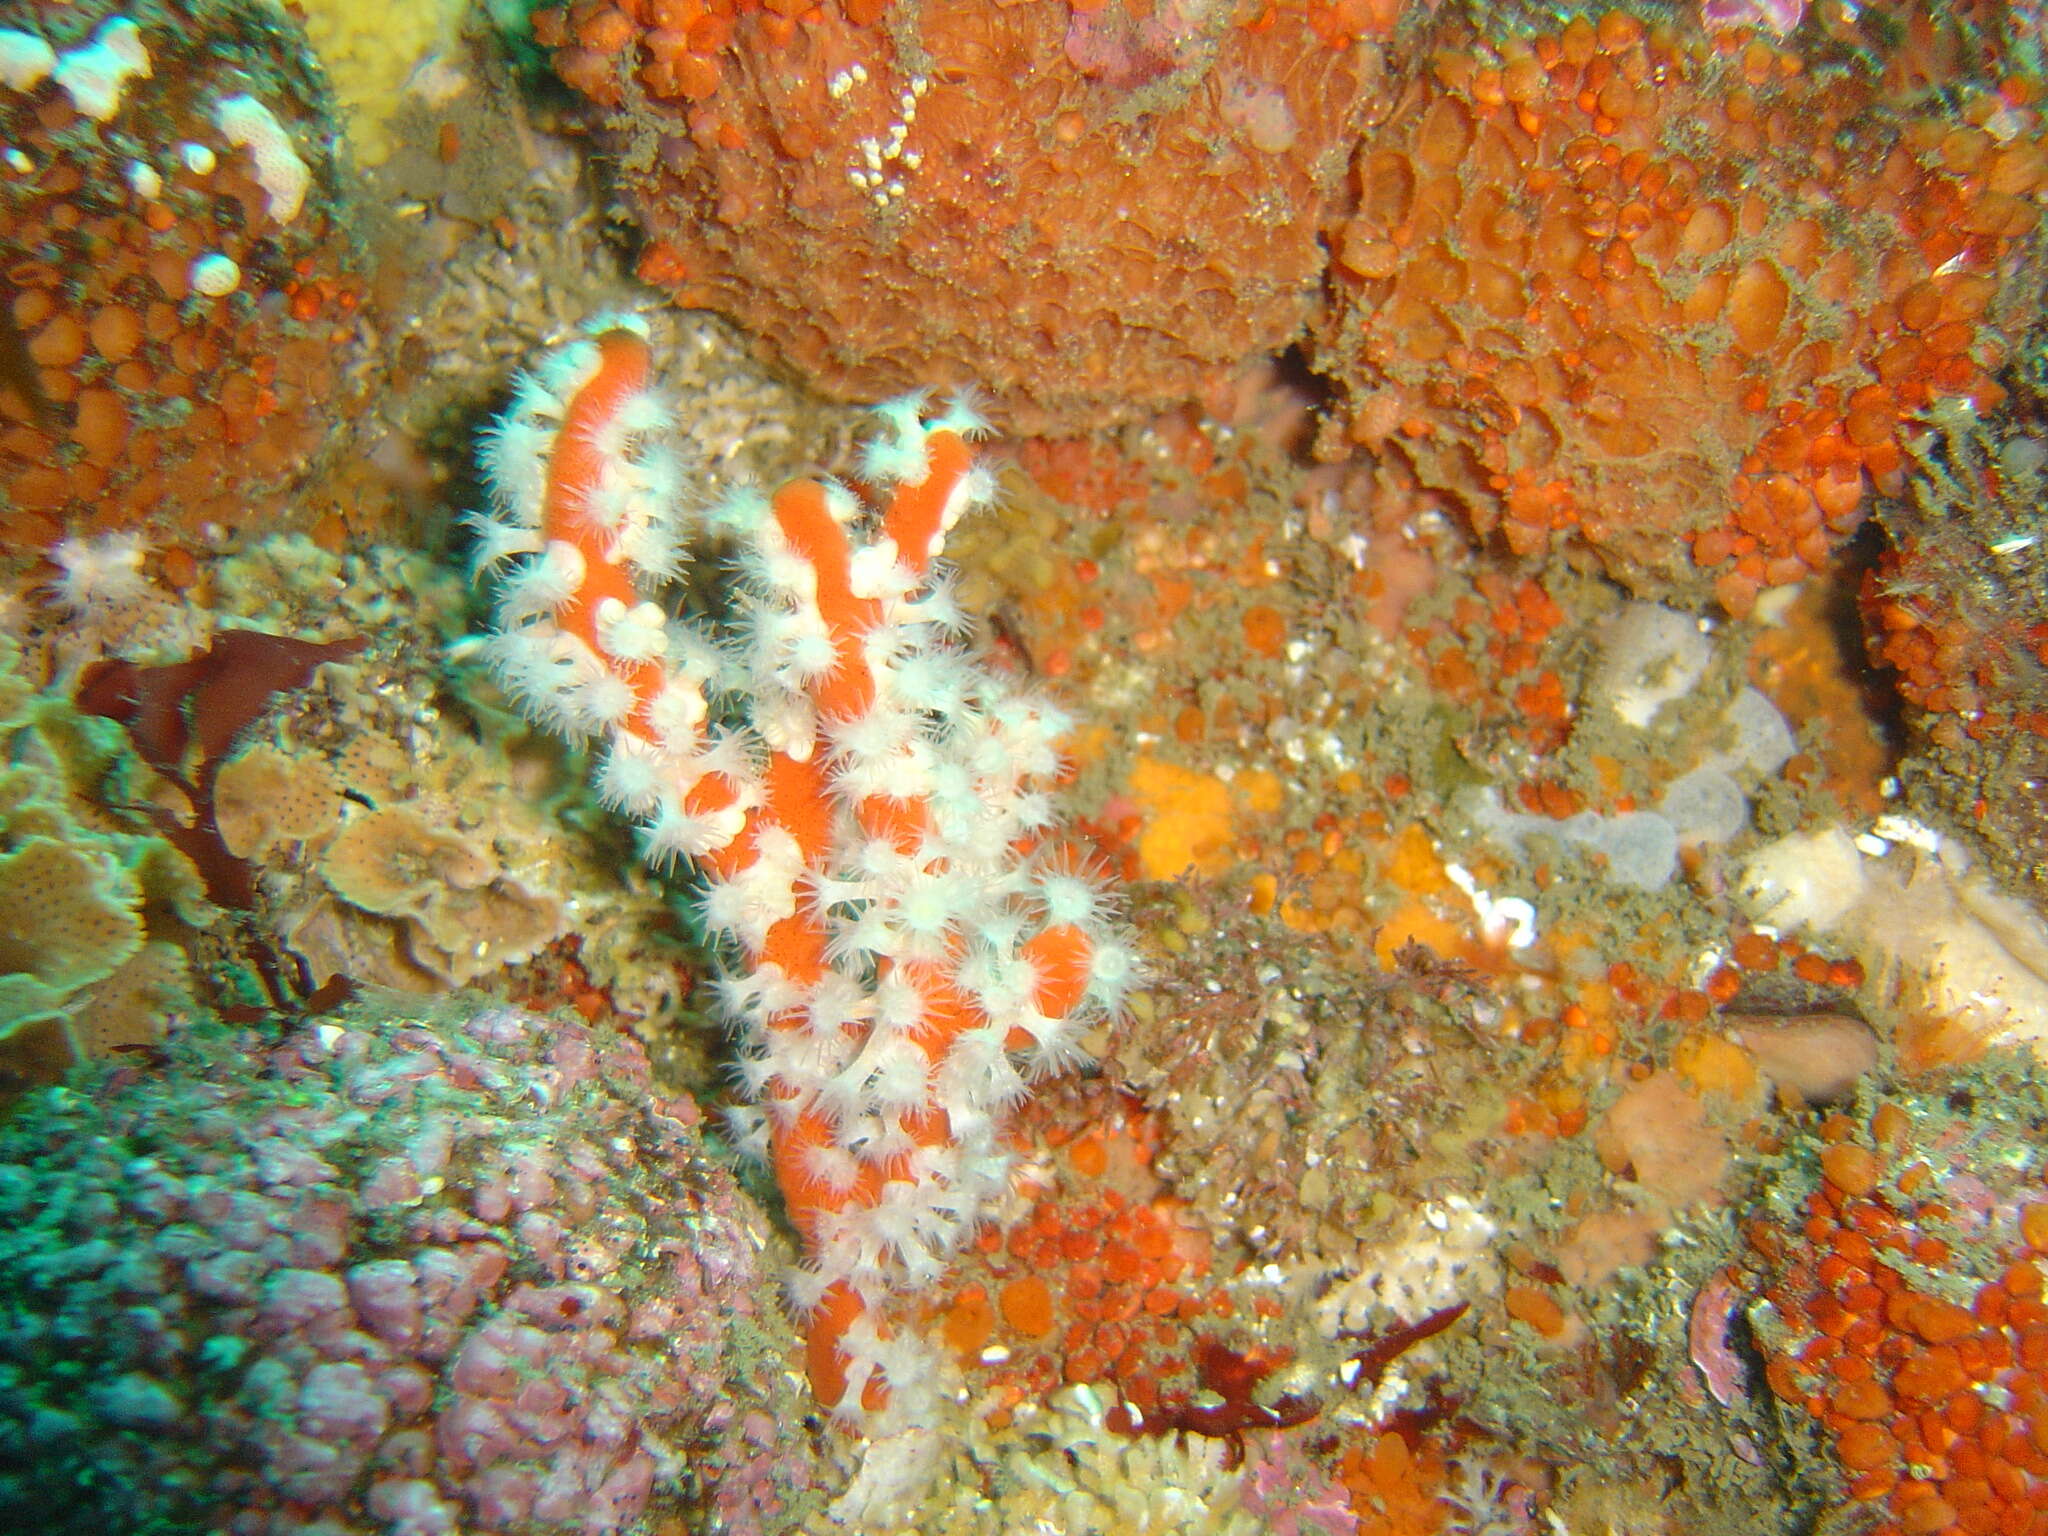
1089 211
179 276
1902 1308
1670 297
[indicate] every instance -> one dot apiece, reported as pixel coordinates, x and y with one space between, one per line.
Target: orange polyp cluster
922 196
1910 1325
1394 1485
1752 955
1554 1109
1367 878
1498 658
1969 671
1105 1279
128 399
1591 1021
1671 298
674 46
678 43
1956 611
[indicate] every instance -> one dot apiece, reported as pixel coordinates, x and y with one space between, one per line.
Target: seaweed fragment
1382 1347
1225 1404
1224 1408
184 719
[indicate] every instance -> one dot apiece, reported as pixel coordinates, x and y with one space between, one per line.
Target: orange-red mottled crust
1903 1313
1086 214
127 399
1107 1278
1957 610
1669 297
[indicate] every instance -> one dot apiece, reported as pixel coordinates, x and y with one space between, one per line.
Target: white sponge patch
283 176
95 76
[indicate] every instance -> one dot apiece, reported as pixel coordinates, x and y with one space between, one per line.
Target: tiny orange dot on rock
1754 952
172 274
970 1322
1940 1322
32 306
1927 1515
1850 1168
1537 1308
696 76
1860 1400
1027 1306
1860 1447
1933 1376
1089 1157
1265 631
1888 1126
58 344
116 332
607 31
2034 1227
100 425
179 569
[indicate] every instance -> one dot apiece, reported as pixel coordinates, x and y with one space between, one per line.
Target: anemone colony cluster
869 836
1435 926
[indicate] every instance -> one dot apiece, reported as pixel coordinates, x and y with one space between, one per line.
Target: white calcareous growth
215 275
1650 656
25 59
95 76
1929 929
280 171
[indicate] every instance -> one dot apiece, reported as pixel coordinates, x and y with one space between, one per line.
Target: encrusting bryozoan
867 807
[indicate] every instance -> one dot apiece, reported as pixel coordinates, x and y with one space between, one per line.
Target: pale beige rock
1658 1134
1814 1058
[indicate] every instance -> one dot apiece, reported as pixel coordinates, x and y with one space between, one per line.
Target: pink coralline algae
414 1275
1711 1345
